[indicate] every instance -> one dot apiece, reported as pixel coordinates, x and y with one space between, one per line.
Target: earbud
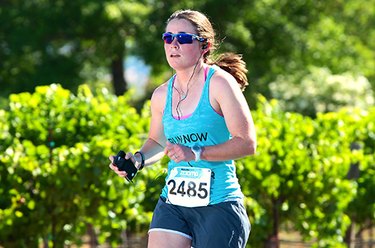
205 43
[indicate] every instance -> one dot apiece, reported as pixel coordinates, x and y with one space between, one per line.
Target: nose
175 44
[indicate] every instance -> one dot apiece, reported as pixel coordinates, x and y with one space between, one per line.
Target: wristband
142 159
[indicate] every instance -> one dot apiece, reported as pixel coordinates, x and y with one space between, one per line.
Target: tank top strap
168 103
206 88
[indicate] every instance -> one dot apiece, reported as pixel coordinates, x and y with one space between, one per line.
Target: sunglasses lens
168 38
185 38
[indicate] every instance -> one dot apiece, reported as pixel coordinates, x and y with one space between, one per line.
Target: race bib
189 187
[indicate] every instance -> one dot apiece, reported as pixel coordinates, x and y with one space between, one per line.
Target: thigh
168 227
162 239
221 225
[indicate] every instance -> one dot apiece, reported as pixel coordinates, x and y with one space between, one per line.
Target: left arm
239 121
233 106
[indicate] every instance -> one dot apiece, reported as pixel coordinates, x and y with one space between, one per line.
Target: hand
135 159
178 153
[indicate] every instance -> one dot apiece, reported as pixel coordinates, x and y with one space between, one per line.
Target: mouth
174 56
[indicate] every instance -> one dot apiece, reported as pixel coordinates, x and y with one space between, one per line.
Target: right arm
153 148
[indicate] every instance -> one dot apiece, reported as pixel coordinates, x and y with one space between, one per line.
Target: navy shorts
220 225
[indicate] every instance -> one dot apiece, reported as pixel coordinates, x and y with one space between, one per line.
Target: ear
206 45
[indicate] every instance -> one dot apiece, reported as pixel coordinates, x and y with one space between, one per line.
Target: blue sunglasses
182 38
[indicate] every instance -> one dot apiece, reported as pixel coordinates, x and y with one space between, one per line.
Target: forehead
180 25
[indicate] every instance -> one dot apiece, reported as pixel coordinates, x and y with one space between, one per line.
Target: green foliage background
314 56
55 181
85 41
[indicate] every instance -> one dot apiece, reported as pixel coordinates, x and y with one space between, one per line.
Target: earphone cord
181 99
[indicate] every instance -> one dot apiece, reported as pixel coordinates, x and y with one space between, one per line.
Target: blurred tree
277 37
290 36
72 42
320 91
43 42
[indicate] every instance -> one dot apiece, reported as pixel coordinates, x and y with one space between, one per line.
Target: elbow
251 147
254 149
247 146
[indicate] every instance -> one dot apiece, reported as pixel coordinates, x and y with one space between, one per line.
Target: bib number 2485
189 187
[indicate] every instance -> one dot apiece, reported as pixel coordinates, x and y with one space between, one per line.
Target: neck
186 77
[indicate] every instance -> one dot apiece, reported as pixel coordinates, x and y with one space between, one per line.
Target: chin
175 65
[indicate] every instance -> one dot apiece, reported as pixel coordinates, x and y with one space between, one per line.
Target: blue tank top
204 127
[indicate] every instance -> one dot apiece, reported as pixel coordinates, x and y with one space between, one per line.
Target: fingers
111 165
175 152
169 150
176 158
129 155
111 158
115 169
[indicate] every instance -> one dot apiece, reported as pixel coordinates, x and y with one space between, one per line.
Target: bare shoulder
159 97
221 82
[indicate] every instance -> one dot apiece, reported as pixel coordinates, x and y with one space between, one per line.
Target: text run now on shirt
188 138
